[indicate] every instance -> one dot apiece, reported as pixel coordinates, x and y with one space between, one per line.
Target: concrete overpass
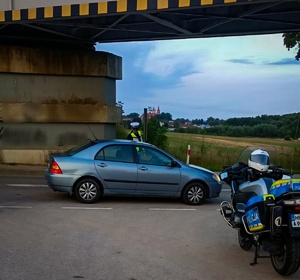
56 90
83 23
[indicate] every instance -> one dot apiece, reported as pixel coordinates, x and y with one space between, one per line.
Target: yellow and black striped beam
105 8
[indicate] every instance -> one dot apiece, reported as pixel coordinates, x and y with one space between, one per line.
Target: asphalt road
47 235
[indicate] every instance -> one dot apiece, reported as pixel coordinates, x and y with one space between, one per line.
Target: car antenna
92 132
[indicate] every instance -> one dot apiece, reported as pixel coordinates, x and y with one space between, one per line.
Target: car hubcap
87 191
195 194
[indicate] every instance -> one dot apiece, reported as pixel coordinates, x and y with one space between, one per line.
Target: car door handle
143 168
102 164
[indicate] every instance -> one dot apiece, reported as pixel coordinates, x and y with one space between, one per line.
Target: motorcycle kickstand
257 251
256 255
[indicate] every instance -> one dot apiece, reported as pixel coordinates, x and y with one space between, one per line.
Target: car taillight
55 169
297 208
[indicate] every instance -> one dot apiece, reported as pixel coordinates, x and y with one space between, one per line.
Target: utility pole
145 124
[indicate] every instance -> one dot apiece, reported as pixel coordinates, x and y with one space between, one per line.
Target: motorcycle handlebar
246 172
278 170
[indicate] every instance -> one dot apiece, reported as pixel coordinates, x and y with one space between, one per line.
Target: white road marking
27 185
85 208
171 209
16 207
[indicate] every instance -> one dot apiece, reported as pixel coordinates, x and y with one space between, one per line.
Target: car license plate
295 219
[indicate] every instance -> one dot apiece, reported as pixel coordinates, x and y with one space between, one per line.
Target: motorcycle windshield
246 153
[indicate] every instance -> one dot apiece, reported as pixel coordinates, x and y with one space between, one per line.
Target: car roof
120 141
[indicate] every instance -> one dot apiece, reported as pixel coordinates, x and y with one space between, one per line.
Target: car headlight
216 177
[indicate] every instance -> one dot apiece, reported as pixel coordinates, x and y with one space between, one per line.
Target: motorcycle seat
242 198
241 207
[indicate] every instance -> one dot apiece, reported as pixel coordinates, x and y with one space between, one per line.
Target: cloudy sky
212 77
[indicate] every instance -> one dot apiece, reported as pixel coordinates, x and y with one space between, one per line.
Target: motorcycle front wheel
245 240
287 261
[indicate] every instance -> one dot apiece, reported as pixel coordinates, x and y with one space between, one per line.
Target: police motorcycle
265 209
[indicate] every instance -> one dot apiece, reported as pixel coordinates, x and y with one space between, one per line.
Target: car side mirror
174 163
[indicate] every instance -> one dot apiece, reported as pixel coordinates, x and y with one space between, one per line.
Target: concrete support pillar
53 99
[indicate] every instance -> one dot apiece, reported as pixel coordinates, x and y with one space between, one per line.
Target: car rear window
79 148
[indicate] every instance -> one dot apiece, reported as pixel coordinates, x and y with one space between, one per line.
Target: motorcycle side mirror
250 171
223 175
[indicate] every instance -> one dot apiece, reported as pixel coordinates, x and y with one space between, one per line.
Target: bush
157 134
287 138
121 132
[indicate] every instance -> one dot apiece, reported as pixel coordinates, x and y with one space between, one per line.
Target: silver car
123 167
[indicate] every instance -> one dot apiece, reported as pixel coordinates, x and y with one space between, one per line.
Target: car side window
100 155
153 157
121 153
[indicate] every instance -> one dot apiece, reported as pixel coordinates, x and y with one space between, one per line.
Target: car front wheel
194 194
87 191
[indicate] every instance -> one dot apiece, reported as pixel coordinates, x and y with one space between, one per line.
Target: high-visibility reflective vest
135 137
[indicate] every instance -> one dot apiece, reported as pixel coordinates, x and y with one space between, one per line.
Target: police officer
135 134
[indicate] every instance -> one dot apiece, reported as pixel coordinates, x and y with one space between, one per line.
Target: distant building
205 126
152 113
185 124
171 124
202 126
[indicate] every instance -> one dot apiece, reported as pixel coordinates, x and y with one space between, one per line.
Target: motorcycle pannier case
283 186
257 212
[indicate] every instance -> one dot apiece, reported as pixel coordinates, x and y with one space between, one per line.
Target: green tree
121 131
265 130
133 115
164 116
212 121
292 40
156 134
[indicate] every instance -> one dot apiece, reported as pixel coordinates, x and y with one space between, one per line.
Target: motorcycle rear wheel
245 240
288 261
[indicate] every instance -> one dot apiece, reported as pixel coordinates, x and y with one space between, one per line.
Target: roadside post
188 154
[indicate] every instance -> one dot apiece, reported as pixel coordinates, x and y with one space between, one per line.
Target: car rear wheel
194 194
87 191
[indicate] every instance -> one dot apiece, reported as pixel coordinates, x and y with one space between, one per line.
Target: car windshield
79 148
